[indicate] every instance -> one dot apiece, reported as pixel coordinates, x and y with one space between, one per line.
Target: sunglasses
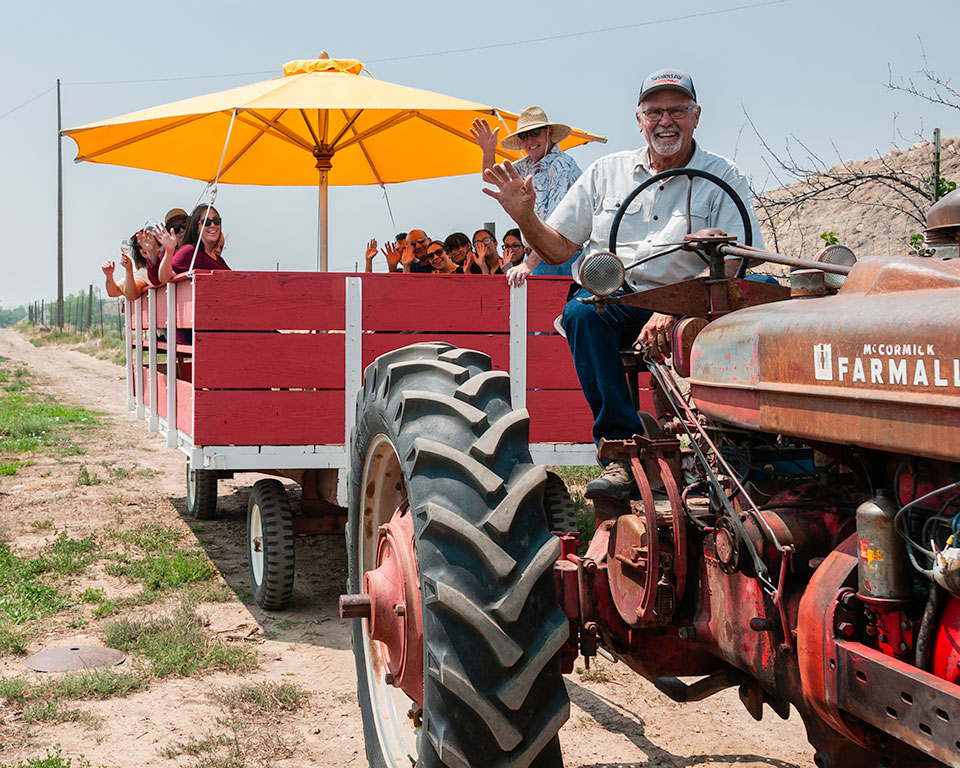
213 221
177 228
434 254
421 241
531 134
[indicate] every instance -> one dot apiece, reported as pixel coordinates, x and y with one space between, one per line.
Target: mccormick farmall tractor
795 533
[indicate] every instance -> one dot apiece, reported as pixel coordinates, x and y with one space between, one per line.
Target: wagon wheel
270 544
201 493
446 503
558 504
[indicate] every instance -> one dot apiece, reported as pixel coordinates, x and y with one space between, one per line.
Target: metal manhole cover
74 657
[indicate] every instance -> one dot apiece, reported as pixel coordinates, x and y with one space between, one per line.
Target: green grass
44 701
264 697
92 595
174 645
53 759
26 591
573 476
163 571
28 422
150 537
163 566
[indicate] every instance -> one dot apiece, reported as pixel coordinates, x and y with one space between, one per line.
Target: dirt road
622 721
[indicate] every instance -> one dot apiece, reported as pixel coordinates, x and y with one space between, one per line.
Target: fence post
90 309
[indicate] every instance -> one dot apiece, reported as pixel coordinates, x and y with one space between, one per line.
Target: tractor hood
877 365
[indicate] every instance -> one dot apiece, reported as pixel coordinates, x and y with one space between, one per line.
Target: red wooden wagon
269 381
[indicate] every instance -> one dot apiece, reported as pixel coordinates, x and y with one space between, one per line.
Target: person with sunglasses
413 255
440 261
667 114
176 222
201 236
552 170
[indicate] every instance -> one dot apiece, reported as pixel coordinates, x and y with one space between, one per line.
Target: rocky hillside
869 204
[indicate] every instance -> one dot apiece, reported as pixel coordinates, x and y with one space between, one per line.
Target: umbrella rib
139 137
400 117
347 127
459 134
313 135
281 131
363 149
260 132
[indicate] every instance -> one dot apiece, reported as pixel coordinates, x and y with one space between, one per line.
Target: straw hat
535 117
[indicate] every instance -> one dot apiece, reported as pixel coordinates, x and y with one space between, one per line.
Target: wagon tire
436 439
201 493
559 506
270 544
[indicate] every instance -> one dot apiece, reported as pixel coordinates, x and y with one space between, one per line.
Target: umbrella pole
322 231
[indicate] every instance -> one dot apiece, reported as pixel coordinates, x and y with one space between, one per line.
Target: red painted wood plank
264 417
247 301
184 407
162 395
546 297
497 346
184 303
549 364
145 399
262 360
436 303
559 416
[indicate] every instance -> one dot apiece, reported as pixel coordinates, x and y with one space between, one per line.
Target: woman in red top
203 227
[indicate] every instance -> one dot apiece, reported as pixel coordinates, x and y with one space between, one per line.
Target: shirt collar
642 156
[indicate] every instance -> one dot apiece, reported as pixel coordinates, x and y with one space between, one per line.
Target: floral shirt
553 175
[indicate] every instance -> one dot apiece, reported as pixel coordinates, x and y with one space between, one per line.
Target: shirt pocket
699 219
631 225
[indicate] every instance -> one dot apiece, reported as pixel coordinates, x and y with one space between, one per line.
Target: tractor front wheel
450 568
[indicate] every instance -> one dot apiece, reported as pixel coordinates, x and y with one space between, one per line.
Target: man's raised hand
514 193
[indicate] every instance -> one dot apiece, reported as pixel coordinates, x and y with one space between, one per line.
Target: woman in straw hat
552 169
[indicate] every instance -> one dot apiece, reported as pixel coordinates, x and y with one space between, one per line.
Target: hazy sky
809 69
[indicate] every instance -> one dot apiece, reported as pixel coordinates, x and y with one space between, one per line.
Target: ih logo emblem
823 362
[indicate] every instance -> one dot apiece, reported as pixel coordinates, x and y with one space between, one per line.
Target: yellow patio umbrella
325 121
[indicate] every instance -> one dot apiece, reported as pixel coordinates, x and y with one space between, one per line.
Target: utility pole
936 164
59 216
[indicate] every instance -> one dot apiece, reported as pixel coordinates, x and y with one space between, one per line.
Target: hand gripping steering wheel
691 173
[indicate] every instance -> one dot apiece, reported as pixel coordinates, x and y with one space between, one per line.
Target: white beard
667 147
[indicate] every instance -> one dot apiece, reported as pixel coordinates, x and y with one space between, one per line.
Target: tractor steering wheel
691 173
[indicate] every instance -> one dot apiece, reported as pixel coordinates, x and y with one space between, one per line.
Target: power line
472 49
34 98
581 34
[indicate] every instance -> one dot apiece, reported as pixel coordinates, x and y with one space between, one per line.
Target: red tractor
796 535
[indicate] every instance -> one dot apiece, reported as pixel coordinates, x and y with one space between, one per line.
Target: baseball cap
174 213
663 79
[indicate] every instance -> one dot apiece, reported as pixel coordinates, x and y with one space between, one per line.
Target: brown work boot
615 482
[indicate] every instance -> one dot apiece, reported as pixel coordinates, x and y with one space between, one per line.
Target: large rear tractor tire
201 493
558 504
270 544
457 653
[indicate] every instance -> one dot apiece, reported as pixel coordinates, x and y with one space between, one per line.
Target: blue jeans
595 341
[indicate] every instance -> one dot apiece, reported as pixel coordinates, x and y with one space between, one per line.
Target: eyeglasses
177 228
656 115
513 246
485 241
421 241
213 221
531 134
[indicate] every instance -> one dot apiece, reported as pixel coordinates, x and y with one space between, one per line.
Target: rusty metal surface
75 657
876 365
945 212
914 706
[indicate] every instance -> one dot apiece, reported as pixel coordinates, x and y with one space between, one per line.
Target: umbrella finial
323 55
